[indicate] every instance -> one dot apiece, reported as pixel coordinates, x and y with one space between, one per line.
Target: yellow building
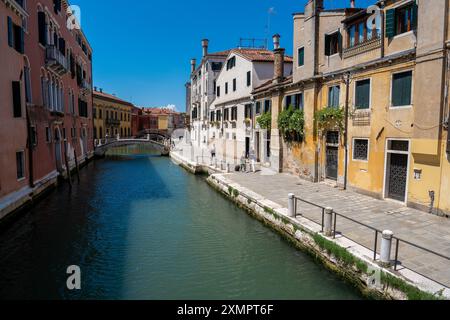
112 116
389 73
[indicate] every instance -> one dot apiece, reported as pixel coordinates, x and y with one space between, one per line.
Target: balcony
55 60
113 122
85 86
368 45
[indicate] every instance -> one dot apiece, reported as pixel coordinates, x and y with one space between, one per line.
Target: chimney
95 88
205 43
278 65
193 65
352 3
101 90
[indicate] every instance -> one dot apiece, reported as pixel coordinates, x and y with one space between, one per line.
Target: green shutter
401 89
390 23
362 99
301 57
414 15
327 45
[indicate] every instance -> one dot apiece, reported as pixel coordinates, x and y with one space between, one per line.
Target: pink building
49 78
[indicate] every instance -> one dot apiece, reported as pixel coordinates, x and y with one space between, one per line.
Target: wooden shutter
390 23
42 31
62 46
401 89
327 45
414 15
17 99
362 94
10 33
301 57
18 39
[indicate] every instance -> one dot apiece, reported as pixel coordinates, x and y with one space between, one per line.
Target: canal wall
344 257
21 199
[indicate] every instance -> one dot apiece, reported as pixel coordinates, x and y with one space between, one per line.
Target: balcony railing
85 85
368 45
56 60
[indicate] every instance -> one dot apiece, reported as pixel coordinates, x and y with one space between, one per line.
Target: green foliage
340 253
330 118
292 124
230 190
235 193
411 292
265 121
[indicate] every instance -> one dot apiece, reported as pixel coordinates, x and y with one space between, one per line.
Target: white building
234 131
202 94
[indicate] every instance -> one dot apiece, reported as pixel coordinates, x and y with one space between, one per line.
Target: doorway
247 147
258 147
397 164
332 155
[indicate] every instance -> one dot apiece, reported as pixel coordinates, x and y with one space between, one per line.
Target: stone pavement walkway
426 230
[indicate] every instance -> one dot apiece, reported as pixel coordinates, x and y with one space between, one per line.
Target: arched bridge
102 146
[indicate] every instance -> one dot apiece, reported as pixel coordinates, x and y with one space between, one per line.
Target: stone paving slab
426 230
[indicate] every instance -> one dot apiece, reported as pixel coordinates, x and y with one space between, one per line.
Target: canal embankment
20 200
343 256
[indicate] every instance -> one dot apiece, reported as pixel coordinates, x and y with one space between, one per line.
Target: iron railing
376 231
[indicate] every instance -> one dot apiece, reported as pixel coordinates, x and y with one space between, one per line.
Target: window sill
332 55
404 34
21 179
400 107
360 161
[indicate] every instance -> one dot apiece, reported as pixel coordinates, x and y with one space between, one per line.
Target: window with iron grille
332 137
361 149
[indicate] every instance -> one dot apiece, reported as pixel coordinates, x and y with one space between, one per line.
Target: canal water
140 227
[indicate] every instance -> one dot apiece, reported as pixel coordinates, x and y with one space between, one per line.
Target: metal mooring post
386 246
328 224
291 205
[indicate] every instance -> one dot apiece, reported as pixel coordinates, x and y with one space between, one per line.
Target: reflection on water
142 228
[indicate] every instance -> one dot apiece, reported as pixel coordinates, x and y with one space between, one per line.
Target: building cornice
14 6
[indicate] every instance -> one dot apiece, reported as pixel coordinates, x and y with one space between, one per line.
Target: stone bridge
103 145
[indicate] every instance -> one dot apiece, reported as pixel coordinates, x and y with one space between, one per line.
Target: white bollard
328 222
291 205
386 246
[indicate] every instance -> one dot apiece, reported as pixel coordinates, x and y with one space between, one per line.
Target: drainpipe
347 96
30 150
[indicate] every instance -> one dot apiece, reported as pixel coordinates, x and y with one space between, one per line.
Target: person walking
243 160
252 157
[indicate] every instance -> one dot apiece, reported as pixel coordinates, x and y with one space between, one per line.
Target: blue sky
142 49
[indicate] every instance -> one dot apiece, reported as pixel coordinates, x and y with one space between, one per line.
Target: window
226 87
216 66
249 78
267 106
42 26
219 115
231 63
301 56
258 107
212 116
362 94
15 36
218 91
48 135
33 136
248 111
234 114
17 99
20 162
332 43
234 84
361 149
295 101
83 109
401 89
333 96
226 114
26 73
401 20
359 33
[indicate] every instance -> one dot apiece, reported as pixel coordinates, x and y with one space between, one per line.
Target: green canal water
140 227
